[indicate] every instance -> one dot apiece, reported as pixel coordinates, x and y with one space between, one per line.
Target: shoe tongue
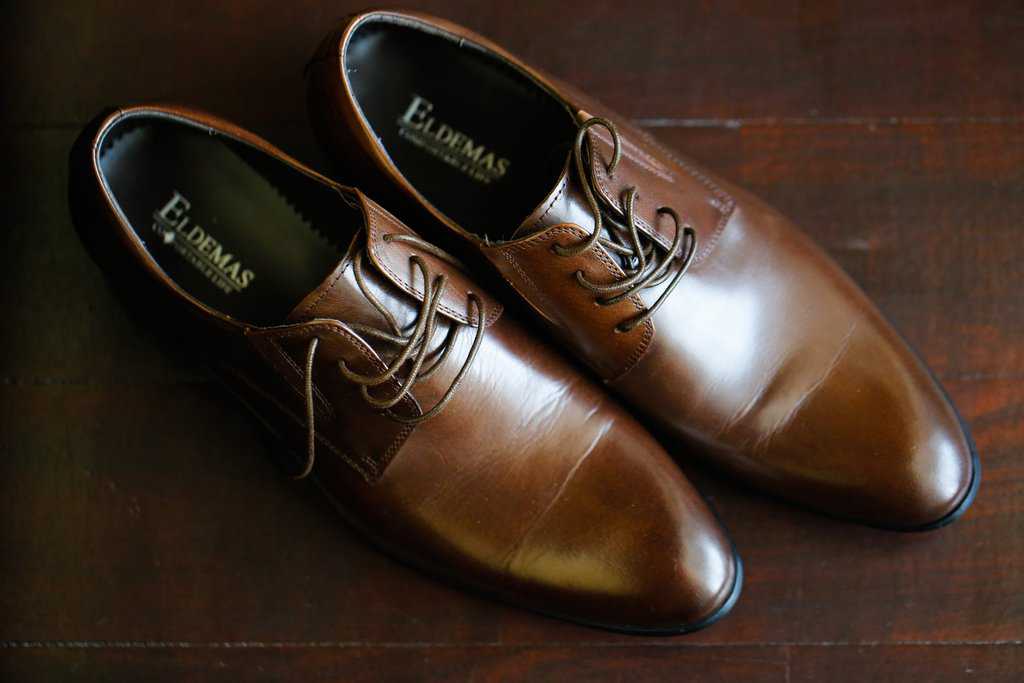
565 203
338 297
389 274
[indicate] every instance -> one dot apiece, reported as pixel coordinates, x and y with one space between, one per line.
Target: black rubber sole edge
723 610
972 488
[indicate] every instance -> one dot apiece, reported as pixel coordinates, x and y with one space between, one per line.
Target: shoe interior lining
221 218
479 139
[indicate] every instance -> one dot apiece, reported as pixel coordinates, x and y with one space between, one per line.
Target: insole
481 141
213 223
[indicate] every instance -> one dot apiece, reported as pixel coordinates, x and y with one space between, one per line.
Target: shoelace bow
414 345
637 252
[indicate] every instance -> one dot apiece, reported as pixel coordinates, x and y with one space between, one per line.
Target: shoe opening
234 227
478 138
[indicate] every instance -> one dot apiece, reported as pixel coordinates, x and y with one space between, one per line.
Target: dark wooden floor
144 535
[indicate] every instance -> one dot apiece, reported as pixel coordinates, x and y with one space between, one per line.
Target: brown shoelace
637 252
414 345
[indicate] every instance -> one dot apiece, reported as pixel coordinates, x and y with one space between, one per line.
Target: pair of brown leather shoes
438 424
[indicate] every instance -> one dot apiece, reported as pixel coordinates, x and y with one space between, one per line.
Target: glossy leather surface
531 484
766 356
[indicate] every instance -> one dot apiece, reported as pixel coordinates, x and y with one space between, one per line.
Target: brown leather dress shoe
706 310
432 420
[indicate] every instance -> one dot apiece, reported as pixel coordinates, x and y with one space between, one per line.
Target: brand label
451 146
200 248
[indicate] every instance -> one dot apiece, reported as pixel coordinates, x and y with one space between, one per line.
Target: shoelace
637 252
415 345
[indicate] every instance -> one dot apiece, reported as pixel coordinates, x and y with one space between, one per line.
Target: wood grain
494 663
146 535
650 59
